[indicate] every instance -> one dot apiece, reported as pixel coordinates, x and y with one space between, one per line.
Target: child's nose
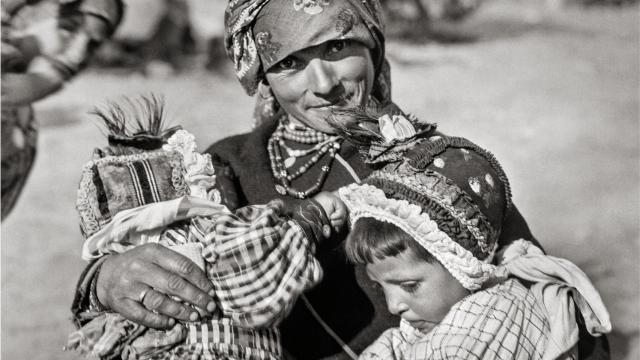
396 305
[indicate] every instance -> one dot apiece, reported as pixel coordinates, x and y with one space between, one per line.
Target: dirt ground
554 94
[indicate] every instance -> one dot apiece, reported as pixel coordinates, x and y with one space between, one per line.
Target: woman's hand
140 283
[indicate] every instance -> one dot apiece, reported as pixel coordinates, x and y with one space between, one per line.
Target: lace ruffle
429 187
368 201
199 174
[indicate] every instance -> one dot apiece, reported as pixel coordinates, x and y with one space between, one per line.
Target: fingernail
193 316
211 292
326 231
172 321
211 306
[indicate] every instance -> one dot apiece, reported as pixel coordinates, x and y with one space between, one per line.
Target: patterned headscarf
259 33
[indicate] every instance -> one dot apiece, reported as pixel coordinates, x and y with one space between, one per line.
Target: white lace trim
368 201
445 202
198 173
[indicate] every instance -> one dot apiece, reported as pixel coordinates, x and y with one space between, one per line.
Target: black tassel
135 123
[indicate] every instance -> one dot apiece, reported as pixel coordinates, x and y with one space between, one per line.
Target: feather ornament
137 123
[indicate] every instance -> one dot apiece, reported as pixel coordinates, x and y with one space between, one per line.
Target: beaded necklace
324 144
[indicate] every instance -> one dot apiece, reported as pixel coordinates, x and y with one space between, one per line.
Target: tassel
135 123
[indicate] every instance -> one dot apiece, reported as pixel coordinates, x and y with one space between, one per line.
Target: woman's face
311 82
420 292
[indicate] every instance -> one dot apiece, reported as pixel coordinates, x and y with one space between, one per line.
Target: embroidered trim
369 201
448 196
345 21
311 7
267 48
87 202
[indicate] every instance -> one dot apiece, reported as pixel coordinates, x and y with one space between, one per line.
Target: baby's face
420 292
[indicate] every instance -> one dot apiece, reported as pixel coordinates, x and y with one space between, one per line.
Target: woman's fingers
181 277
135 311
172 284
141 276
178 264
159 303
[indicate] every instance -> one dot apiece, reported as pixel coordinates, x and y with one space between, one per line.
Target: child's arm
261 259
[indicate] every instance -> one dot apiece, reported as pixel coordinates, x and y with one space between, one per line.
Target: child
143 189
426 226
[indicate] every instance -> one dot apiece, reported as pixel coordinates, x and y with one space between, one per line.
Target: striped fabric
143 182
114 183
222 337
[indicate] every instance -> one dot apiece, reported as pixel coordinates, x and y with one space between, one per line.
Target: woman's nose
395 304
321 77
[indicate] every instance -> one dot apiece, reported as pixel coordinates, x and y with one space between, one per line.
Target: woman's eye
288 63
410 286
337 46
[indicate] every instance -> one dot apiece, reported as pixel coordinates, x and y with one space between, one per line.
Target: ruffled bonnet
448 193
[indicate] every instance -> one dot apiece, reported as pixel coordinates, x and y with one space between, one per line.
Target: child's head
142 164
407 273
433 212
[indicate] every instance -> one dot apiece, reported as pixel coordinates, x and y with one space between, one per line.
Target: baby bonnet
142 164
448 193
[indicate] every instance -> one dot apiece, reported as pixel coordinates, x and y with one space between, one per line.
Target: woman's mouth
339 103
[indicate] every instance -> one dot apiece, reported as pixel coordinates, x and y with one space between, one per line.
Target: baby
426 226
151 185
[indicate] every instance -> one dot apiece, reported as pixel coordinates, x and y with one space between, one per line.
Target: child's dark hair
372 239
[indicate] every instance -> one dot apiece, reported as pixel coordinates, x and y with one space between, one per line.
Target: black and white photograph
320 180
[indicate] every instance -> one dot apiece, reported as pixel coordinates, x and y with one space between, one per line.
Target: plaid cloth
501 322
259 261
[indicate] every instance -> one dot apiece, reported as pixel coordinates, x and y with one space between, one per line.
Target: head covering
446 192
143 164
284 27
259 33
452 196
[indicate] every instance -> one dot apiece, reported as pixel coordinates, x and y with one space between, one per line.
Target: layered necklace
282 167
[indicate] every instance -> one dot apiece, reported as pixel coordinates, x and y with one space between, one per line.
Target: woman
305 59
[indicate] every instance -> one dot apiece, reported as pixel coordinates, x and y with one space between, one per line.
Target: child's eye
410 286
337 45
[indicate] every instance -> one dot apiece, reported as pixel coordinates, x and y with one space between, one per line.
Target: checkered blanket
501 322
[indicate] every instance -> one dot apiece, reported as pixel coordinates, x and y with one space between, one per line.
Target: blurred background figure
161 37
412 19
44 44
